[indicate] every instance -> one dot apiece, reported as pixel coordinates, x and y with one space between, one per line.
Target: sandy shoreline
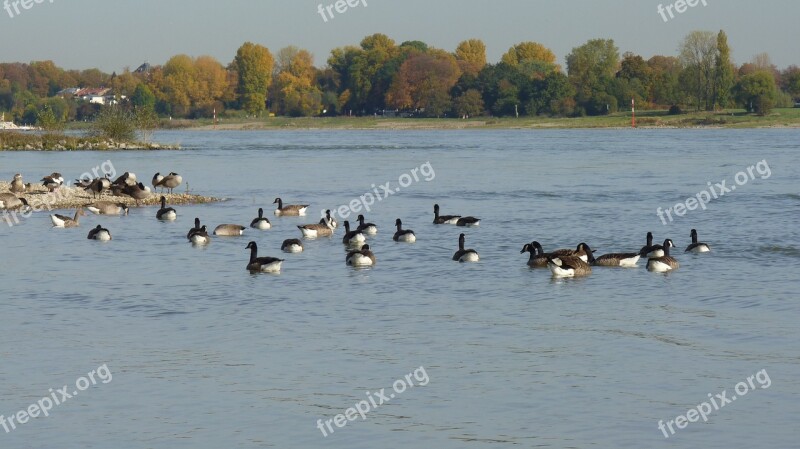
71 198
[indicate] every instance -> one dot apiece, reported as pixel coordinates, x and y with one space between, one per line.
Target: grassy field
646 119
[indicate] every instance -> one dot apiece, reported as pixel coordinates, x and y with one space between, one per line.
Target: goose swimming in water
229 230
62 221
403 235
366 228
322 229
292 246
199 236
625 260
443 219
289 210
465 255
697 247
99 233
568 266
360 258
166 213
663 263
354 237
262 264
260 222
650 250
538 258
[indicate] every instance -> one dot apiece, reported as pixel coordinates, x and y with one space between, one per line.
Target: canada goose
465 255
262 264
290 210
170 181
62 221
195 228
651 250
468 221
403 235
98 186
137 192
328 218
229 230
582 251
260 222
625 260
17 186
360 258
366 228
538 258
568 266
443 219
156 180
10 201
292 246
166 213
52 182
663 263
697 247
126 179
322 229
199 236
352 237
107 208
99 233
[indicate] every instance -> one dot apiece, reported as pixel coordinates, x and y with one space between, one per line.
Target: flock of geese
561 262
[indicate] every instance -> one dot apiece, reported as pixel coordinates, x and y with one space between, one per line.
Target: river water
205 355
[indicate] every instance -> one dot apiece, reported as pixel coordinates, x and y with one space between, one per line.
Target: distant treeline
381 77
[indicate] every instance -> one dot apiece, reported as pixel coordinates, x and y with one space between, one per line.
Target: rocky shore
73 197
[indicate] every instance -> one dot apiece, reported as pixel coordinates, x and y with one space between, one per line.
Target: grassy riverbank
780 118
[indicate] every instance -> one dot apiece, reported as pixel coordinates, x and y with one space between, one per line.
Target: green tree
757 92
723 72
468 104
698 53
790 79
143 97
146 121
254 65
115 122
591 68
664 88
48 121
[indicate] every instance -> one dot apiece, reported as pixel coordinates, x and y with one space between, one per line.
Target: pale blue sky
113 34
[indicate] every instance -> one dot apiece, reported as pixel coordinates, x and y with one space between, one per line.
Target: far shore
780 118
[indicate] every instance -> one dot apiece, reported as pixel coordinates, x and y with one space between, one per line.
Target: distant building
144 68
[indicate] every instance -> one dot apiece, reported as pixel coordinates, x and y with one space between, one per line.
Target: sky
114 34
